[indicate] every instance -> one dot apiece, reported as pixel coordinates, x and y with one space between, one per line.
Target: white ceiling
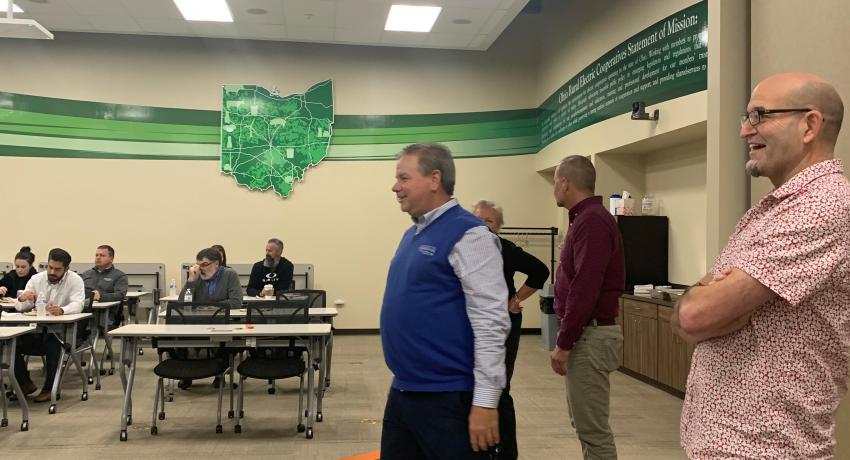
358 22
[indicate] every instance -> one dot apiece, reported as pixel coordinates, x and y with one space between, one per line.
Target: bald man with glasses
771 320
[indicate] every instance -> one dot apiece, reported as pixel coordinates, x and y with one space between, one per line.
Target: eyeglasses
204 264
755 116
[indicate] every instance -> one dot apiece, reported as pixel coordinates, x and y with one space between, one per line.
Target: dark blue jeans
428 426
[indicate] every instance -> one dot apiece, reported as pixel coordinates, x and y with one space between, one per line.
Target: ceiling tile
273 8
480 41
55 7
310 34
164 9
491 24
98 7
477 16
114 24
362 36
371 15
164 26
403 38
213 29
70 22
261 31
309 13
448 41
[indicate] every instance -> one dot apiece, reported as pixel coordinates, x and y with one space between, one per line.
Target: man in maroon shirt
588 285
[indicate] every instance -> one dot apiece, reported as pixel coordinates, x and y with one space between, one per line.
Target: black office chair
275 363
179 364
314 298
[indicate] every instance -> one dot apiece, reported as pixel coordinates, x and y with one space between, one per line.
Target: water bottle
41 305
172 288
187 297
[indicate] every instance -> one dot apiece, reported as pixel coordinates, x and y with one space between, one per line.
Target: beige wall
780 29
676 177
343 218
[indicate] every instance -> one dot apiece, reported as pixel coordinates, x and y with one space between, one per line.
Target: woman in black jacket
16 280
515 260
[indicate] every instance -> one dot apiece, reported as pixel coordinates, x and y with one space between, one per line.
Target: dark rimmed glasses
756 115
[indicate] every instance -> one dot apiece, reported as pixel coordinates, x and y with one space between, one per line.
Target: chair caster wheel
111 371
141 352
319 416
85 396
230 414
241 414
154 430
271 391
97 387
25 425
237 429
161 416
218 429
51 409
123 436
91 380
4 422
309 433
101 372
129 420
301 427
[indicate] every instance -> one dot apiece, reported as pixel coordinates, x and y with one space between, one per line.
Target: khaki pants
592 359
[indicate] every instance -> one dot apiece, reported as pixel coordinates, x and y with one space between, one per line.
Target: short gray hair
434 157
276 241
579 171
487 204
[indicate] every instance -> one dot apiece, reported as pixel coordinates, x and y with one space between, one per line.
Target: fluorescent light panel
204 10
4 7
407 18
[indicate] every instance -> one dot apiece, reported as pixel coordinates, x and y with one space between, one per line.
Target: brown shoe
44 396
28 388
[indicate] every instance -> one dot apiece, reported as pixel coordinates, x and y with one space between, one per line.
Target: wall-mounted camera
639 112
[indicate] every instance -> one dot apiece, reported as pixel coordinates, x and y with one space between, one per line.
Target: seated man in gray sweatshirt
210 281
105 282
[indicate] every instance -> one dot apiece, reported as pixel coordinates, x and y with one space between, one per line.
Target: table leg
128 344
308 413
329 349
16 387
320 392
94 368
76 357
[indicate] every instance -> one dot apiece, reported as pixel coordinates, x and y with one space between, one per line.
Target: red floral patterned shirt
771 389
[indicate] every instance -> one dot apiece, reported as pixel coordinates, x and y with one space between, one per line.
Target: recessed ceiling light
204 10
4 7
406 18
257 11
38 1
461 22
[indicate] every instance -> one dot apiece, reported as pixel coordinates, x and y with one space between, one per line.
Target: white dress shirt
69 293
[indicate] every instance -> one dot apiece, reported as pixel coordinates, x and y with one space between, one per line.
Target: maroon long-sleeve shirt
592 274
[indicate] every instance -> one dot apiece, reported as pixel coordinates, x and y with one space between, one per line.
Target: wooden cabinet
650 348
640 337
674 354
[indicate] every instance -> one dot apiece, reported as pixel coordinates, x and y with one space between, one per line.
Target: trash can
549 324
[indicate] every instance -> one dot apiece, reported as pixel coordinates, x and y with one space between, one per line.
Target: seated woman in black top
16 280
515 260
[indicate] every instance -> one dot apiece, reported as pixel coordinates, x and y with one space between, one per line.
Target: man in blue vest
444 320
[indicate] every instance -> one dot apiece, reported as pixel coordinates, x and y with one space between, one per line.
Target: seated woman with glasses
210 281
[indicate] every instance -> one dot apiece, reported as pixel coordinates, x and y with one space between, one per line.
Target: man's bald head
799 89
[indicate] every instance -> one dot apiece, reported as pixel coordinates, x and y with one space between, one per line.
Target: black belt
602 322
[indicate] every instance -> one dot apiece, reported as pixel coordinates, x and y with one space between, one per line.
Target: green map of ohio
269 141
